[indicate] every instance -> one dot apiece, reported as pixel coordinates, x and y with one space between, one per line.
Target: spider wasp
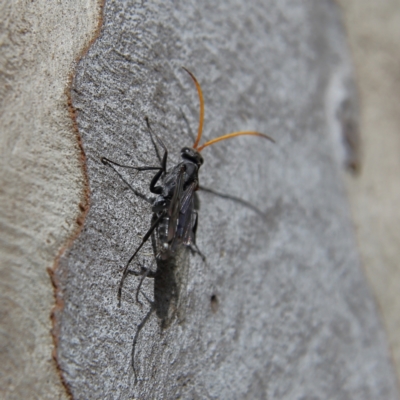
174 219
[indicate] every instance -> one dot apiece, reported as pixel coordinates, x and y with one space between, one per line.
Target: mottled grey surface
294 319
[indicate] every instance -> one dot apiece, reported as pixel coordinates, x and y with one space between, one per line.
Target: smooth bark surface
42 183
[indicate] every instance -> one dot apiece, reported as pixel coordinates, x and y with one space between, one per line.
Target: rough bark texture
374 33
41 180
281 308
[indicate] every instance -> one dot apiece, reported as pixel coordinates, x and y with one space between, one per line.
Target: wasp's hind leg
194 249
144 240
135 339
192 243
143 273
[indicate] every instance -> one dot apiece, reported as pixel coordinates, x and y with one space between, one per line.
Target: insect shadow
173 227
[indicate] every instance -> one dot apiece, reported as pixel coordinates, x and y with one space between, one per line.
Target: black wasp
174 214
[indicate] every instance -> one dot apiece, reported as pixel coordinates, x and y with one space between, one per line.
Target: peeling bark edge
84 204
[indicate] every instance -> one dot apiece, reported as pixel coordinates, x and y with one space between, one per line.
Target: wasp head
193 155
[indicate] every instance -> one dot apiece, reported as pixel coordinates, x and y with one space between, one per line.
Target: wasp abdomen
163 238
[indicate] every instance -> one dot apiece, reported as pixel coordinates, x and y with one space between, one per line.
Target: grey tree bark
280 309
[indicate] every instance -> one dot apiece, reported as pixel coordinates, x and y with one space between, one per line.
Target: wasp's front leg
112 164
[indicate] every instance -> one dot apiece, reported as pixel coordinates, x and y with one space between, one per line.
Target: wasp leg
153 188
147 274
158 189
135 339
144 273
144 240
163 160
106 161
112 164
192 244
191 134
193 247
152 134
235 199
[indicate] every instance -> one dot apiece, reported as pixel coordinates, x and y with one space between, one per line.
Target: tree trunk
280 308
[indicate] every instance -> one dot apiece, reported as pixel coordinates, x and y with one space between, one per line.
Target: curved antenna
201 100
234 134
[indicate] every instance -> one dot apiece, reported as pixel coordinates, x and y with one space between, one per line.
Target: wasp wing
185 218
175 205
182 217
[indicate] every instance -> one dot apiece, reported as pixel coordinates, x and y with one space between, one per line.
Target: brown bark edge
83 206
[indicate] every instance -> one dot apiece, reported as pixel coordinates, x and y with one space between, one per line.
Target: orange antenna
201 100
234 134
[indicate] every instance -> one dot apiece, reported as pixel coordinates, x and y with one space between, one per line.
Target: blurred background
373 29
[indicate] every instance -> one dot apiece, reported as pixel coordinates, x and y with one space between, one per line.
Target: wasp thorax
193 155
160 203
